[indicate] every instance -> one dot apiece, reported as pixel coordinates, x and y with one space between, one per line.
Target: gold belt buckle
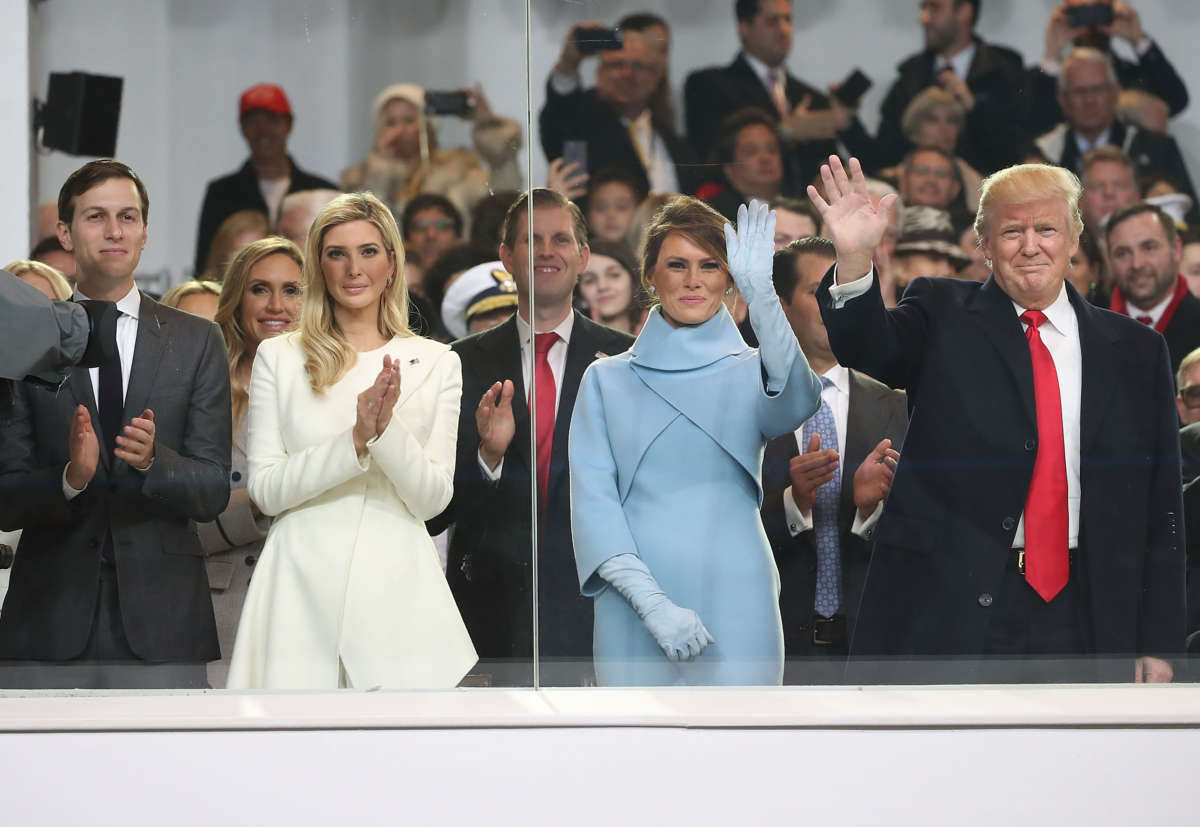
1021 560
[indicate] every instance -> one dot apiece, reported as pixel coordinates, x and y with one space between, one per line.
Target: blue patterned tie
825 515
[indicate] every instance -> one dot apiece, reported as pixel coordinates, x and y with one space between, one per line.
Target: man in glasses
431 225
929 178
1088 92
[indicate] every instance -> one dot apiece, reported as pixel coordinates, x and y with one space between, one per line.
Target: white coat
348 590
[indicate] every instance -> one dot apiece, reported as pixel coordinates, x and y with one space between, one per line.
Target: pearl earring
987 262
729 291
651 290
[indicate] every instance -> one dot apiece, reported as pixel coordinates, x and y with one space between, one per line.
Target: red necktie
1146 320
1047 561
778 91
544 409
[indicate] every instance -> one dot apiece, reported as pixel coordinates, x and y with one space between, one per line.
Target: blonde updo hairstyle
692 219
58 283
1025 183
328 354
229 309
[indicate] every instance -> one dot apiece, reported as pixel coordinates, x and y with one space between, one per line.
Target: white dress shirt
556 356
1084 145
960 63
837 397
129 306
1060 333
1155 313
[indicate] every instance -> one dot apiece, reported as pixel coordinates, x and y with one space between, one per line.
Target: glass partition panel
801 479
342 525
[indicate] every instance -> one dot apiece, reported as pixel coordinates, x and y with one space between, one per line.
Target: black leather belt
1019 558
826 631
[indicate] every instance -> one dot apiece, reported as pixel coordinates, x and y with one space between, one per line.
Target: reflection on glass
940 578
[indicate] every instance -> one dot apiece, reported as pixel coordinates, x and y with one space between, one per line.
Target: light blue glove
751 252
677 631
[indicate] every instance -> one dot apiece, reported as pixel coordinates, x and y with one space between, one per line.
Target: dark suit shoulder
995 54
178 320
874 387
488 342
602 338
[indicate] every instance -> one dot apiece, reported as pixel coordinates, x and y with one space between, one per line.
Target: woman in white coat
353 421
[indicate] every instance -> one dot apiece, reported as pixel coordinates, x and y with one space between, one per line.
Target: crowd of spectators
619 157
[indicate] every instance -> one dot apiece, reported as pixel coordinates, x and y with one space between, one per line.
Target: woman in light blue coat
666 451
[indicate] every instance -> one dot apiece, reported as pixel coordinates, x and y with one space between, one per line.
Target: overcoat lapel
1100 356
1002 328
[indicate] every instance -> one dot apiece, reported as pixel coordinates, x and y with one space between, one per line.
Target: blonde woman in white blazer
353 422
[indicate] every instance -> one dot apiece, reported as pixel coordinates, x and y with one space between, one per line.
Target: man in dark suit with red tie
490 560
1034 530
1144 250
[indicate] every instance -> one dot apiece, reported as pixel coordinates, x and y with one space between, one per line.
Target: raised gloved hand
677 631
751 249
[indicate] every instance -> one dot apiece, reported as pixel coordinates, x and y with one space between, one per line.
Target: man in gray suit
109 589
824 486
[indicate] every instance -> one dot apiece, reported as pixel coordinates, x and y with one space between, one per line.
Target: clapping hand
494 422
375 405
135 443
84 450
873 479
810 470
854 224
751 250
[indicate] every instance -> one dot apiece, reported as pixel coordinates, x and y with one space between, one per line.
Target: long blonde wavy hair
328 355
229 310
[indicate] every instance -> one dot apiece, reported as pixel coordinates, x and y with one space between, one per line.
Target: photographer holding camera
614 124
1095 24
405 160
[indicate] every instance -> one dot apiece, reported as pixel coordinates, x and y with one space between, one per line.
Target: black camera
458 103
592 39
1090 15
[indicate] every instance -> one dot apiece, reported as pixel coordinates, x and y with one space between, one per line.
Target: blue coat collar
662 347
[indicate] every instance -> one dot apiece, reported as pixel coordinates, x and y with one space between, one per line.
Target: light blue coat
666 452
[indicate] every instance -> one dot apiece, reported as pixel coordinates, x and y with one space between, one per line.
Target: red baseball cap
266 96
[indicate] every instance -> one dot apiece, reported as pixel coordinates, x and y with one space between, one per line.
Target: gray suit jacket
180 373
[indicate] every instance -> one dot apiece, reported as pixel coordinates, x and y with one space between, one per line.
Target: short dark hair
1189 236
800 206
783 266
49 244
487 217
912 153
974 4
542 197
1090 248
430 201
616 175
1125 213
461 256
745 10
92 174
732 126
640 21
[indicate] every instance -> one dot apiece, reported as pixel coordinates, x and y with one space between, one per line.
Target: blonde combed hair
1025 183
58 283
229 310
179 292
328 355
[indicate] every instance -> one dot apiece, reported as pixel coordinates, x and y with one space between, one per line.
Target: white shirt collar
563 330
961 61
1085 145
840 376
761 69
130 304
1060 313
1155 313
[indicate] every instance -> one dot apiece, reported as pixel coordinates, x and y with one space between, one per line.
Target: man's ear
585 253
506 257
63 231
